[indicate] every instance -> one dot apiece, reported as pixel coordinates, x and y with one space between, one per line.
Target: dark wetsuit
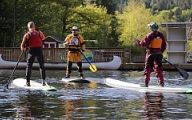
35 51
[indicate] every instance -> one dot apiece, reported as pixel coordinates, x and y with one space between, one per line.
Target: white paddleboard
75 80
21 83
137 87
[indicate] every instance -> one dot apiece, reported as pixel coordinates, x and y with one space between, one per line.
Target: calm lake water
94 101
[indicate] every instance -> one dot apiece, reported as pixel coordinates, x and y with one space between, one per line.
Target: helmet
153 26
74 28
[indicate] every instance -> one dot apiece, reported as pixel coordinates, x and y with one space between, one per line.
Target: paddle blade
93 68
183 73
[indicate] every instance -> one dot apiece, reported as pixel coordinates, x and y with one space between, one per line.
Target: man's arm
42 35
145 42
65 44
24 41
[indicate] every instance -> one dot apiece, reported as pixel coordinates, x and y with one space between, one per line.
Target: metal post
14 11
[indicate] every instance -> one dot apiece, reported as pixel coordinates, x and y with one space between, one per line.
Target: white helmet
74 28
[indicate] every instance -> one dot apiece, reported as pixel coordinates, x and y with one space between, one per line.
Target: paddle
182 72
92 67
7 85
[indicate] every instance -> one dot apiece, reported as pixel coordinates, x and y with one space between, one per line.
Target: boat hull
111 65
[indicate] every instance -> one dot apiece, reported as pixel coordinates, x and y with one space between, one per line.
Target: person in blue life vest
32 44
155 45
75 44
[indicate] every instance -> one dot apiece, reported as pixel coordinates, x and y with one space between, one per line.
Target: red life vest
34 40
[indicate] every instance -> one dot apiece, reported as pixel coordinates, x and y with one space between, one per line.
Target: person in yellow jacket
75 44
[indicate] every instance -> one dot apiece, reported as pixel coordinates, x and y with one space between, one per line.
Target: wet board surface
137 87
75 80
21 83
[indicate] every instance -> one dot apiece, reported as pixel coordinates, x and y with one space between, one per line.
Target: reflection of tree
23 112
73 85
29 107
76 106
34 105
153 106
69 109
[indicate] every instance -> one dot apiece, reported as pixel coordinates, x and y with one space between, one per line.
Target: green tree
53 19
50 17
6 23
133 22
68 6
110 5
93 22
187 15
177 13
113 36
166 15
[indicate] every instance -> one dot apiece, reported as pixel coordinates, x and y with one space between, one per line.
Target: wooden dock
166 66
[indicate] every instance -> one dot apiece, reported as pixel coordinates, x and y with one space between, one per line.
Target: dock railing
59 54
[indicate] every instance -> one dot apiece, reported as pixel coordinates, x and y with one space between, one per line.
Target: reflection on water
26 108
153 106
92 100
79 109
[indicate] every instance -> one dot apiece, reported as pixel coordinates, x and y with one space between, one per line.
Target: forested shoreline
112 23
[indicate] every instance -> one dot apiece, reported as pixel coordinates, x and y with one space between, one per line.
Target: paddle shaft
182 72
7 85
86 59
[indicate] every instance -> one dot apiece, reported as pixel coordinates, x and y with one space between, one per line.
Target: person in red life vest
75 44
32 43
155 45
